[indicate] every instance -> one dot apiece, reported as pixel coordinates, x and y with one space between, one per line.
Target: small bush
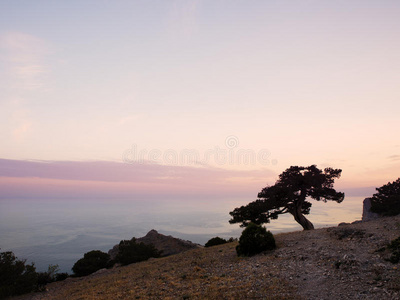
16 278
255 239
61 276
215 241
91 262
130 252
50 276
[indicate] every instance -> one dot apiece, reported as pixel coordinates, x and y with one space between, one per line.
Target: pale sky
286 82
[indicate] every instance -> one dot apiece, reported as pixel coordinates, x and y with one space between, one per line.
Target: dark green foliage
43 278
91 262
16 277
215 241
61 276
129 251
394 247
255 239
387 201
289 195
50 276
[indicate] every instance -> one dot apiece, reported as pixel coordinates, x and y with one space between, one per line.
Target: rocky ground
344 262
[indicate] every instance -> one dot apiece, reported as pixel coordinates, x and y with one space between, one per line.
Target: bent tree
290 194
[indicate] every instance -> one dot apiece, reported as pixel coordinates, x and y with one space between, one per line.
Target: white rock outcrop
367 213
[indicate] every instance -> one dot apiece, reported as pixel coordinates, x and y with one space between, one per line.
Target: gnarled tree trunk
298 216
302 220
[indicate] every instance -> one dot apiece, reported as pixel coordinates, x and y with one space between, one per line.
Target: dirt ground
344 262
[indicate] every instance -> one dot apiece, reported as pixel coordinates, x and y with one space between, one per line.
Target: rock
356 222
113 252
367 213
167 244
343 224
98 272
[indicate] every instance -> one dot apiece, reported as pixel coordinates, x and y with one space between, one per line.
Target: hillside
168 245
332 263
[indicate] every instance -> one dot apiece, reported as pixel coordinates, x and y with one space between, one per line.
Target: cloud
394 157
21 123
114 179
25 71
25 59
20 131
22 48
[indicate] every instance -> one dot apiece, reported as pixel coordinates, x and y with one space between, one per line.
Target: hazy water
61 231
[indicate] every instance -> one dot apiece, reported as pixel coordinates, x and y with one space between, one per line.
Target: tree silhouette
387 200
289 195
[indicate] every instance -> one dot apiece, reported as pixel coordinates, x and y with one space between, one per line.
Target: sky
195 98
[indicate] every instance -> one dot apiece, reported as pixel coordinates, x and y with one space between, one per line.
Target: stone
343 224
167 244
367 213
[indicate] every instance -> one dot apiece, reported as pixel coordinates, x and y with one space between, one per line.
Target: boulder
367 213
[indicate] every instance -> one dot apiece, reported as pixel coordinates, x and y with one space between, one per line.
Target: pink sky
291 82
111 180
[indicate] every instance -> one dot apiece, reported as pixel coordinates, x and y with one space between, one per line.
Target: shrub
50 276
215 241
91 262
387 201
255 239
61 276
130 252
394 247
16 278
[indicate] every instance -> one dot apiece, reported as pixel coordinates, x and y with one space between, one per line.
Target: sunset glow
217 98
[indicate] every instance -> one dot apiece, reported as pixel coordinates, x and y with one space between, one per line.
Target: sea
59 232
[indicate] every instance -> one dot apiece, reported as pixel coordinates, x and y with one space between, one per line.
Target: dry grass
206 273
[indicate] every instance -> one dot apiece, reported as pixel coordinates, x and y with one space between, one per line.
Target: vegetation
130 252
217 272
51 275
289 195
16 277
255 239
394 247
387 200
215 241
91 262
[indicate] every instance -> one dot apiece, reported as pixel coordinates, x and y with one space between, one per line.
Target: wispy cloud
24 58
115 179
394 157
25 72
22 129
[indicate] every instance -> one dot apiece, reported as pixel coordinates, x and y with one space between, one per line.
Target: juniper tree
291 194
